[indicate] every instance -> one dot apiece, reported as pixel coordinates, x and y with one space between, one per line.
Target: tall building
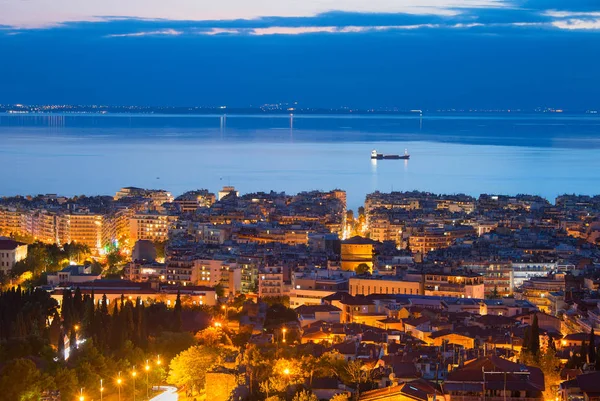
152 226
87 228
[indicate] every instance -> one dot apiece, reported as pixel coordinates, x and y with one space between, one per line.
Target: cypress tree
73 341
116 329
61 345
592 348
535 337
583 352
527 338
77 306
66 308
177 323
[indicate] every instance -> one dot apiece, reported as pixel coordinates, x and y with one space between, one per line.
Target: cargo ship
381 156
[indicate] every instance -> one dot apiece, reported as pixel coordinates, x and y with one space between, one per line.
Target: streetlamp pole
134 374
147 380
119 381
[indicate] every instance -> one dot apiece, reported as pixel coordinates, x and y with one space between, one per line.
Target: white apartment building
11 252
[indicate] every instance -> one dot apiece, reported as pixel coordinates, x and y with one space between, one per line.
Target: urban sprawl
415 296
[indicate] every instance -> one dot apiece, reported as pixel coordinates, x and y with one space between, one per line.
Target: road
169 394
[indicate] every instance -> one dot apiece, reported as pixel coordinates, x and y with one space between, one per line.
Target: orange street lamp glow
134 373
286 371
76 327
147 368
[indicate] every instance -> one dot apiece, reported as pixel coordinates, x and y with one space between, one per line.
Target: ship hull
390 157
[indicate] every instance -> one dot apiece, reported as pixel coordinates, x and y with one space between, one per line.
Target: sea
91 154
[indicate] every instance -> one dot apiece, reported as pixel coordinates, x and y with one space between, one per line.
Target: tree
305 396
362 268
188 369
592 348
20 380
213 337
331 363
66 383
357 375
340 397
177 313
220 290
534 346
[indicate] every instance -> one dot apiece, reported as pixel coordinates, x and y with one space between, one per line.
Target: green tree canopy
188 369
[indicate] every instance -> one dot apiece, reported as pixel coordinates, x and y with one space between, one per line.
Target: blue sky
378 53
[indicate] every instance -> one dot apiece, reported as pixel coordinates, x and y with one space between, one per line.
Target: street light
134 374
286 371
147 369
101 389
119 382
81 397
284 330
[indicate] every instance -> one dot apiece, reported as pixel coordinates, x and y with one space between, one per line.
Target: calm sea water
88 154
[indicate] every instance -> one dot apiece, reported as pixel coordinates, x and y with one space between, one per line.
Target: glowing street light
81 397
133 374
147 369
286 371
284 330
119 382
101 389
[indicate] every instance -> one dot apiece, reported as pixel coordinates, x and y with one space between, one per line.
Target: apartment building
11 252
367 285
151 226
271 282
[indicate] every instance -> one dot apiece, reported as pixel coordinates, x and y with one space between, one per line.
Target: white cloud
167 32
578 24
571 14
43 13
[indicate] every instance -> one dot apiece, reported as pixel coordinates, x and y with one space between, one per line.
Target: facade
191 201
146 271
151 226
308 314
538 289
356 251
498 277
367 285
11 252
494 378
437 238
270 282
75 274
457 285
310 287
87 228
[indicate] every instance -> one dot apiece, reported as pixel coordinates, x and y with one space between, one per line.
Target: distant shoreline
18 110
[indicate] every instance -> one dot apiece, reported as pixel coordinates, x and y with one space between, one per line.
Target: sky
426 54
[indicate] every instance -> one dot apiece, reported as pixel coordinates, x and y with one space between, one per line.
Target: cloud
578 24
570 14
42 13
167 32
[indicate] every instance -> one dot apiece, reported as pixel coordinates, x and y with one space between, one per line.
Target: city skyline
438 54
